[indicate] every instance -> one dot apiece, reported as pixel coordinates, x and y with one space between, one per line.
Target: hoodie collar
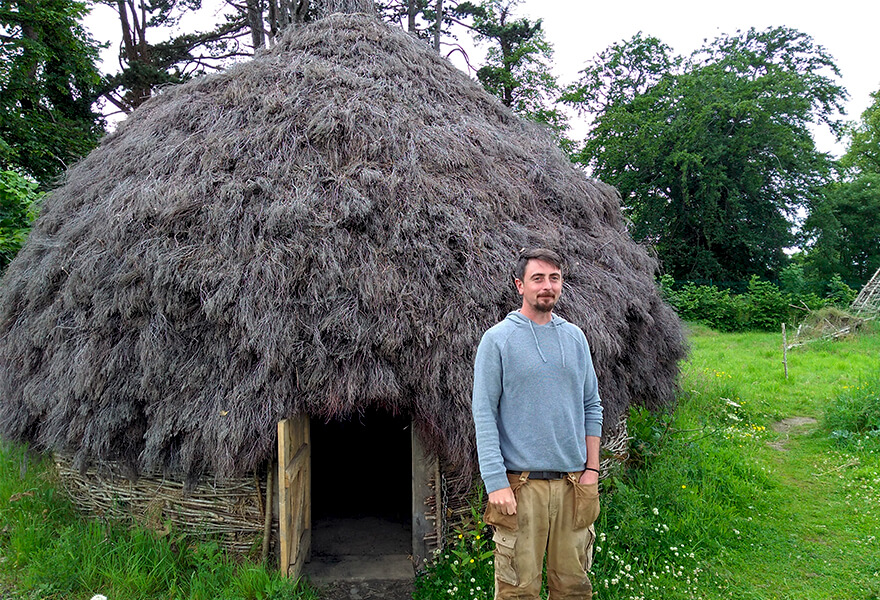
555 322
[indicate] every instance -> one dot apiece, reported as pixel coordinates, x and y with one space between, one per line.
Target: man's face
540 286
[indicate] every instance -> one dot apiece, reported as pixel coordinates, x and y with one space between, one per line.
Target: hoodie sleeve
592 402
488 372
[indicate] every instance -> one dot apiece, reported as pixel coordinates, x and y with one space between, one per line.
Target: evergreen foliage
518 62
147 65
49 85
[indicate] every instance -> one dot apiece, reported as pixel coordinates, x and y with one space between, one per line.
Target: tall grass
47 551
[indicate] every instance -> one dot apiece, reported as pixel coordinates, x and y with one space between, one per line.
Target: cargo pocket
505 557
586 504
588 550
494 517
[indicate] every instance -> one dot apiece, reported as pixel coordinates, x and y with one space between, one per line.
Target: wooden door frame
294 496
426 518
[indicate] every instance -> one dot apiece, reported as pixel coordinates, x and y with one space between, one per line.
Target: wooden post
784 351
294 494
267 522
424 468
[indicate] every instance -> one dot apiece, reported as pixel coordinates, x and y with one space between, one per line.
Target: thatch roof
328 227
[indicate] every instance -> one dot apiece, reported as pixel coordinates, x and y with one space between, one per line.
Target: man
538 420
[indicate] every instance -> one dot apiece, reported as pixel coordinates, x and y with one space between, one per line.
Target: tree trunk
411 15
273 20
32 61
328 7
283 15
134 43
438 25
301 12
255 22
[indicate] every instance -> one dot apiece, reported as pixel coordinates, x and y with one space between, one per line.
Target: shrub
712 306
19 205
762 306
647 431
839 293
792 280
767 307
855 411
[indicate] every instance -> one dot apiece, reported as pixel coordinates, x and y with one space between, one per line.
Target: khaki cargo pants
555 516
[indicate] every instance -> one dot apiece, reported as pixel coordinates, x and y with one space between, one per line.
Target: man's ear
519 285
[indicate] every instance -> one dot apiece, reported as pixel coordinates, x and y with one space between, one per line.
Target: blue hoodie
535 398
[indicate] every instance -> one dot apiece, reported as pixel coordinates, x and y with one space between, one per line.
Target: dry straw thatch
326 228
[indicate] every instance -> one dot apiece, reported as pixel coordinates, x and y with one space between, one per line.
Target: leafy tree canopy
863 153
518 61
49 83
712 153
843 231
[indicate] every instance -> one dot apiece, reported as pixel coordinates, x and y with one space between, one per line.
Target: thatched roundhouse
324 231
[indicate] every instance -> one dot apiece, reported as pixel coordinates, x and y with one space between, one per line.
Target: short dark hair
527 254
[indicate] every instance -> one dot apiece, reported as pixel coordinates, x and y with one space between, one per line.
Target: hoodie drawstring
561 347
558 339
537 345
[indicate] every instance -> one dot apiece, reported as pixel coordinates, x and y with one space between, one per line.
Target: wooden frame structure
868 300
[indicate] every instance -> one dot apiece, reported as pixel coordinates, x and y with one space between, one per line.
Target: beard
544 304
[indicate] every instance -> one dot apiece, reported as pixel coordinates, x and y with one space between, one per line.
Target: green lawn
757 506
816 536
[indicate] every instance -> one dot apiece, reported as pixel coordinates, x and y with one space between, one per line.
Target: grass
721 499
47 551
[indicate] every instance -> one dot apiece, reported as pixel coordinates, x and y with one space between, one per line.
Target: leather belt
542 474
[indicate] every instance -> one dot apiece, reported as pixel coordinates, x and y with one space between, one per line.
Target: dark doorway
361 495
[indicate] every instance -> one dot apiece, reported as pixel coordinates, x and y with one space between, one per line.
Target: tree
842 232
518 62
246 26
418 17
144 66
49 84
712 154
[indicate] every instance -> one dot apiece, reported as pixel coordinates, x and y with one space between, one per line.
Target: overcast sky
579 29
